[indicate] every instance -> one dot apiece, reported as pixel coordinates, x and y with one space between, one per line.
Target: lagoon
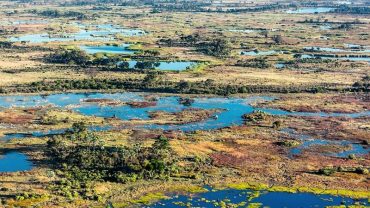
14 162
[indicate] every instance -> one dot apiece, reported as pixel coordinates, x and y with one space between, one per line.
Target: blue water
246 30
325 27
352 46
52 132
327 49
104 32
29 22
308 141
169 66
338 58
310 10
121 49
259 53
279 65
8 22
267 199
279 112
14 161
233 108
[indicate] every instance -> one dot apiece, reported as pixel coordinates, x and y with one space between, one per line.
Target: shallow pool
307 141
14 161
310 10
166 66
259 53
104 32
120 49
308 56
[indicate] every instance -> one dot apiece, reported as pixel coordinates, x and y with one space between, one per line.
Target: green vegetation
153 81
363 85
255 116
328 171
72 56
53 13
260 63
218 47
82 157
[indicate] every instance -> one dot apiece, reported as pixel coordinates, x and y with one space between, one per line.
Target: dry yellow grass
321 102
250 76
200 149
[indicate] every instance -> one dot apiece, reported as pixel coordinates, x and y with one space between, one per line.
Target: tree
72 56
123 65
146 65
276 124
278 39
161 143
216 47
265 33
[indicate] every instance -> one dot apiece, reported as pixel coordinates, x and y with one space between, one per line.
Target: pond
259 53
350 45
29 22
52 132
325 27
165 66
87 32
280 65
14 161
359 48
246 30
279 112
8 22
250 198
308 56
325 49
328 49
307 141
233 108
310 10
120 49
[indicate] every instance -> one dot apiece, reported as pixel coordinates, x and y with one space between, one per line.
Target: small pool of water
14 162
29 22
325 49
259 53
308 141
246 30
328 49
310 10
52 132
121 49
325 27
10 22
263 198
104 32
349 45
279 112
367 59
162 65
279 65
